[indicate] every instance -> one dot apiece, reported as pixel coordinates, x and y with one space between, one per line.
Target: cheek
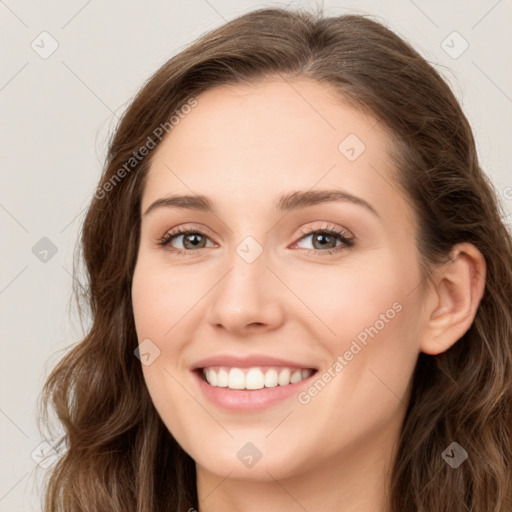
346 299
373 353
367 320
161 298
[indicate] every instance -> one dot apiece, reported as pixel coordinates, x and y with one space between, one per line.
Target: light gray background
57 113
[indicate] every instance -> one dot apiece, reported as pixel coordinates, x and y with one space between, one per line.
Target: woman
300 288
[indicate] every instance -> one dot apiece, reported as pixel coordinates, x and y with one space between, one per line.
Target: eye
325 239
191 239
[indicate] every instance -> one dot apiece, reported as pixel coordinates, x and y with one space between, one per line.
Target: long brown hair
118 453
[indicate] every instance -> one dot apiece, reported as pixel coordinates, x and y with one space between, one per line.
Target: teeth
222 379
284 377
254 378
271 379
213 377
236 379
296 376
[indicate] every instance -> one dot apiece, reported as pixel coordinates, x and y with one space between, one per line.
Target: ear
452 302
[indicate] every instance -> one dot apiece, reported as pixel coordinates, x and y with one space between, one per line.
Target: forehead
250 141
270 115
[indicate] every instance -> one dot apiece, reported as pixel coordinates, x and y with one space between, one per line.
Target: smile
250 382
254 378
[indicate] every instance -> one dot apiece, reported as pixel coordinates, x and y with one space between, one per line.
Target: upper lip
247 362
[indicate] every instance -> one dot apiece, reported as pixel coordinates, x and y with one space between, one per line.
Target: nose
247 298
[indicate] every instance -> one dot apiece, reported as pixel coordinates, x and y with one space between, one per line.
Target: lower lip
248 400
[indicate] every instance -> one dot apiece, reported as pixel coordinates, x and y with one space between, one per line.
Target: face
300 306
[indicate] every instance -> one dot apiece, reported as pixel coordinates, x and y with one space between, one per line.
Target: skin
333 453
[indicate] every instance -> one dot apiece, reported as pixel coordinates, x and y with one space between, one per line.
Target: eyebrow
286 203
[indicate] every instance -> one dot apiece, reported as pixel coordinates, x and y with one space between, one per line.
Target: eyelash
340 234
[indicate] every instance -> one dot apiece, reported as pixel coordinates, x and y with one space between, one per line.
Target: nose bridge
243 283
244 295
248 258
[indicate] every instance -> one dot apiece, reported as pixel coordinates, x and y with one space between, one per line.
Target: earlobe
454 298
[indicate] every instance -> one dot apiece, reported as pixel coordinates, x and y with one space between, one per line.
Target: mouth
258 377
250 388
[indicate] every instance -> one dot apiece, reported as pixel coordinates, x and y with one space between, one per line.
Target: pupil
193 235
321 238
